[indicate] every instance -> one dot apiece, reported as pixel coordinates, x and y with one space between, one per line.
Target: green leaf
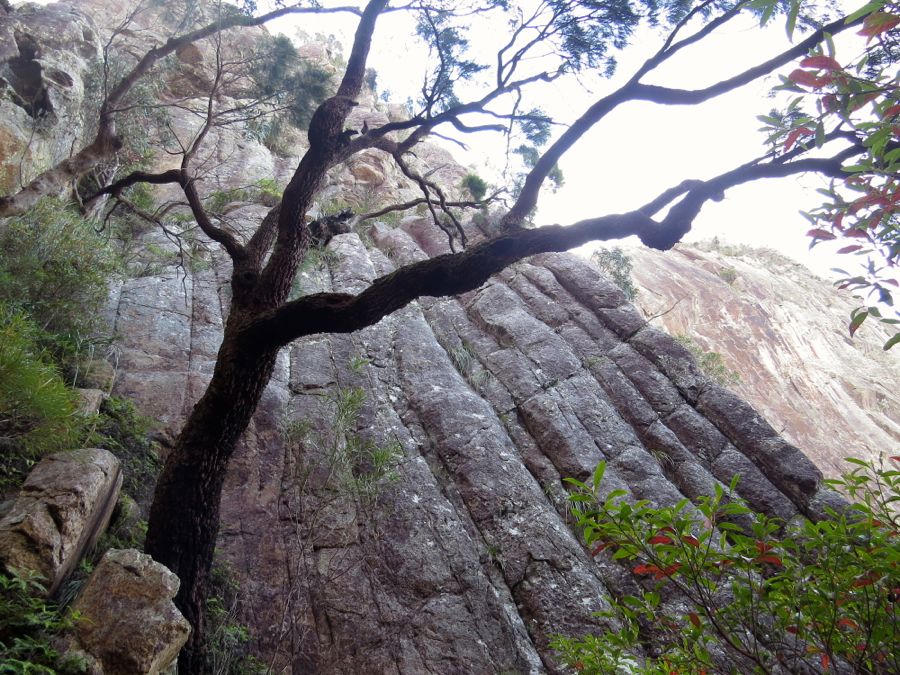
868 8
793 13
598 473
891 342
576 483
820 135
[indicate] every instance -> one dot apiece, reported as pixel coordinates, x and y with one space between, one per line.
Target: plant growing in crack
467 364
337 478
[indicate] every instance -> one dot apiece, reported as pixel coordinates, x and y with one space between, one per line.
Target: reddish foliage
809 79
878 23
820 62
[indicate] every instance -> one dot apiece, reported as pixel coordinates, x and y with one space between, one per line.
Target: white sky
641 148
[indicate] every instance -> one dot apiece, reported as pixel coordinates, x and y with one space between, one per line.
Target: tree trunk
184 517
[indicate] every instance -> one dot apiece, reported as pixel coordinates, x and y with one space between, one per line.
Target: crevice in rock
24 75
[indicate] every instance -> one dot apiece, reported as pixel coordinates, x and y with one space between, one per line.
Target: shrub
125 433
28 624
294 85
476 186
823 595
710 363
616 264
55 266
37 410
227 649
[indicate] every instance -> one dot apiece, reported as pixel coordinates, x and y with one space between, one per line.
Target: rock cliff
784 330
397 504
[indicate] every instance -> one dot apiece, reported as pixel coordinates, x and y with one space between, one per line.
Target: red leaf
602 546
890 112
579 666
896 458
793 630
669 571
808 79
771 559
847 623
692 541
878 23
825 661
660 539
794 135
645 569
853 232
694 619
850 249
865 580
763 547
831 102
825 62
820 234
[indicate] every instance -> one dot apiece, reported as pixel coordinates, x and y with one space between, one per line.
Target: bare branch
405 206
635 90
455 273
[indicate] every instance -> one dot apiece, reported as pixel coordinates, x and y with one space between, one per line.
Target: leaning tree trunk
184 517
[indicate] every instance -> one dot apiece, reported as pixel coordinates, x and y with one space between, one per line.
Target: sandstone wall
784 330
465 562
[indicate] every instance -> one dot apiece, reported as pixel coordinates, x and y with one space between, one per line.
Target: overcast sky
641 149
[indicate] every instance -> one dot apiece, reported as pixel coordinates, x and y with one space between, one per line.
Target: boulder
90 400
63 507
129 624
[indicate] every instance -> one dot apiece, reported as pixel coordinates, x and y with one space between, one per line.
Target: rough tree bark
184 517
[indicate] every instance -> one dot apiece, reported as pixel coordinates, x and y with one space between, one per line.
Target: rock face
46 56
397 504
784 331
63 507
464 561
129 623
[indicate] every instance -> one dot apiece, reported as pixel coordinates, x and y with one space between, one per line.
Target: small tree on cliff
546 41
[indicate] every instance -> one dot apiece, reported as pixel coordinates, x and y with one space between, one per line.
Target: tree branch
455 273
635 90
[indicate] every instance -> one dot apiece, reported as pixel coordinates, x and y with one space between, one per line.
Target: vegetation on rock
719 580
28 624
616 264
710 362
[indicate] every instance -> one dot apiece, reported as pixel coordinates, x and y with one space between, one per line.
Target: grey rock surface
129 624
46 56
459 556
783 330
63 507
